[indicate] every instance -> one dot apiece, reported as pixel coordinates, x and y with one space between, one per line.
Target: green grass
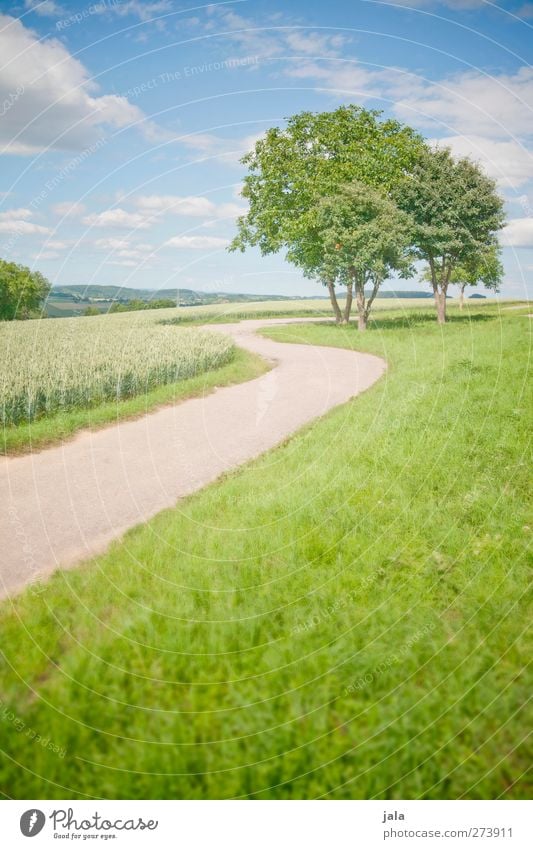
220 313
345 617
48 430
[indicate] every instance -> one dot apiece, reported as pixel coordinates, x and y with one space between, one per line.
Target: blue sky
122 123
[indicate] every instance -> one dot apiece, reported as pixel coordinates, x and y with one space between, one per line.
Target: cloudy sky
122 122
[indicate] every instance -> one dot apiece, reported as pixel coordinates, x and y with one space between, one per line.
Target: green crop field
59 376
345 617
48 366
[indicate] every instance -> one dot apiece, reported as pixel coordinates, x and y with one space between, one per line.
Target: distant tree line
134 304
353 199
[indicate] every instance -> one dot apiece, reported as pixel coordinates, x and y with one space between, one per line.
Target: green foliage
456 214
290 169
485 267
297 175
363 233
22 291
306 191
363 238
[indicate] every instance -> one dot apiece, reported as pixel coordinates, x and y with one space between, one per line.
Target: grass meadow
345 617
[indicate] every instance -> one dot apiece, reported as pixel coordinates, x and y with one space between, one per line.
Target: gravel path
66 503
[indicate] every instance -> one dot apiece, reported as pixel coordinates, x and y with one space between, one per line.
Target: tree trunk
439 293
370 300
348 305
334 302
440 298
361 311
461 297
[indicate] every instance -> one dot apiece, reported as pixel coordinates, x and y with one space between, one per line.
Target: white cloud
188 205
124 252
117 219
314 44
197 243
135 8
343 77
58 105
518 233
17 221
226 149
128 254
111 244
268 42
22 228
46 8
471 103
48 255
19 213
508 162
193 206
69 208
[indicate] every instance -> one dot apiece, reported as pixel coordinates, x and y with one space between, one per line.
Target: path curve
68 502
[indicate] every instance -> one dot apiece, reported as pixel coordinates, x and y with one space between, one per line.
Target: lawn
345 617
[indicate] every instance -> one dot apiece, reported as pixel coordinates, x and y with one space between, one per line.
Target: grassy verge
345 617
404 312
243 315
56 428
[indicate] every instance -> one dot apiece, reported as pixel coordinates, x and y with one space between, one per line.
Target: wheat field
52 365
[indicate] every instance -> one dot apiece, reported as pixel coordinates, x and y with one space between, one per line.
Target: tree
456 214
292 170
22 292
363 238
485 268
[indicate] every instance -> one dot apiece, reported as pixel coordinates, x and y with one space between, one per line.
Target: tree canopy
352 197
456 213
485 268
364 237
22 292
292 171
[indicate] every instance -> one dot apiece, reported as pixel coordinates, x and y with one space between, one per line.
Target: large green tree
22 292
292 170
456 214
363 237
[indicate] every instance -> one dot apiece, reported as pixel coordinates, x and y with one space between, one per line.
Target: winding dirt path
68 502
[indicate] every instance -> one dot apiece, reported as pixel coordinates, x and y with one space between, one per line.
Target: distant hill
73 300
66 301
